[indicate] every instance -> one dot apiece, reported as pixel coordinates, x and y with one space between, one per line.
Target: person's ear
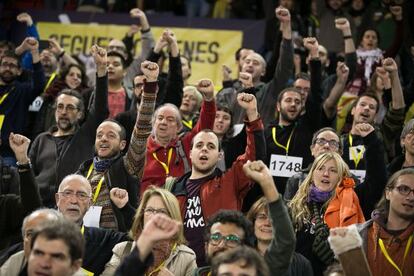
122 145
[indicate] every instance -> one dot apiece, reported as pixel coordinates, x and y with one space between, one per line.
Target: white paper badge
285 166
360 174
92 216
36 104
356 153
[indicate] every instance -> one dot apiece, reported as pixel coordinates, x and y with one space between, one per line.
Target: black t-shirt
60 143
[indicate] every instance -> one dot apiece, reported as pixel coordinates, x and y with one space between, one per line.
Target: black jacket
118 176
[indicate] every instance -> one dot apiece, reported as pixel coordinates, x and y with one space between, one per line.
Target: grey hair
70 177
52 215
407 128
176 111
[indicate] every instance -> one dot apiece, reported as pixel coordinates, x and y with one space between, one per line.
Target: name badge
357 152
92 216
36 104
285 166
360 174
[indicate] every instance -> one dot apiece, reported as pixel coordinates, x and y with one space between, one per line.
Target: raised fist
206 88
20 145
342 71
226 72
247 101
55 47
150 70
389 65
282 14
363 129
246 79
99 55
136 13
311 43
30 44
169 36
25 18
342 24
119 197
258 172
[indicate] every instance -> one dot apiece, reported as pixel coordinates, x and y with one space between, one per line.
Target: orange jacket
344 208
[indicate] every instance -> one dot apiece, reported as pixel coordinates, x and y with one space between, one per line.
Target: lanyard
162 264
98 188
357 158
52 77
3 97
391 261
286 148
165 166
188 124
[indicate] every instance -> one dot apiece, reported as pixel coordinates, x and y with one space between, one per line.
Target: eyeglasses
68 108
323 141
404 190
229 241
152 211
79 195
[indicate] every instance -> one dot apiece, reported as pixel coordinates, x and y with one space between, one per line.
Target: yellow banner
208 48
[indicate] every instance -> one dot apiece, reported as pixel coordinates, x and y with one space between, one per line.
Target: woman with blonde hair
328 198
170 256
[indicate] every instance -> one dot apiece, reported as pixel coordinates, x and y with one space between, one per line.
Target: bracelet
347 36
26 166
61 54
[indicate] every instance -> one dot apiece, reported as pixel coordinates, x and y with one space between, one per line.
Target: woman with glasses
169 255
328 198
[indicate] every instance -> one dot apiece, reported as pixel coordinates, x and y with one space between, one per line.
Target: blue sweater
15 106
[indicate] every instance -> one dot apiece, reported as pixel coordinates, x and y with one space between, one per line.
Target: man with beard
205 189
289 137
111 173
388 237
254 67
59 151
365 110
15 96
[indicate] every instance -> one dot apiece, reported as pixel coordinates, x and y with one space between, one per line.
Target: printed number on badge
285 166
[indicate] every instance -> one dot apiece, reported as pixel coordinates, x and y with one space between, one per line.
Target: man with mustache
365 110
59 151
289 137
16 96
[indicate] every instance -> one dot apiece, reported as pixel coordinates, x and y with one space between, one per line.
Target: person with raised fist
167 153
206 187
60 150
110 169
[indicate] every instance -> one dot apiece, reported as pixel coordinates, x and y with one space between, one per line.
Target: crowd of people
301 164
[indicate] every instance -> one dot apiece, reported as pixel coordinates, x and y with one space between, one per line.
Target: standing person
329 198
205 189
167 153
406 159
388 236
59 151
170 255
290 135
112 172
16 96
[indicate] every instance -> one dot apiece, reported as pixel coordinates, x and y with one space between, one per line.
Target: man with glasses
73 199
16 96
388 237
225 230
59 151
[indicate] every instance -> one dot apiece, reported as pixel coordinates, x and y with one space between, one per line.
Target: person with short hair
18 261
190 106
388 236
16 96
406 159
241 260
59 151
57 250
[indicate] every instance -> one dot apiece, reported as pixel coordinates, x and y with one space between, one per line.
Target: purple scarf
318 196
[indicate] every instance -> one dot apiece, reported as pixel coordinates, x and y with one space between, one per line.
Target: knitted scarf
101 165
318 196
369 58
